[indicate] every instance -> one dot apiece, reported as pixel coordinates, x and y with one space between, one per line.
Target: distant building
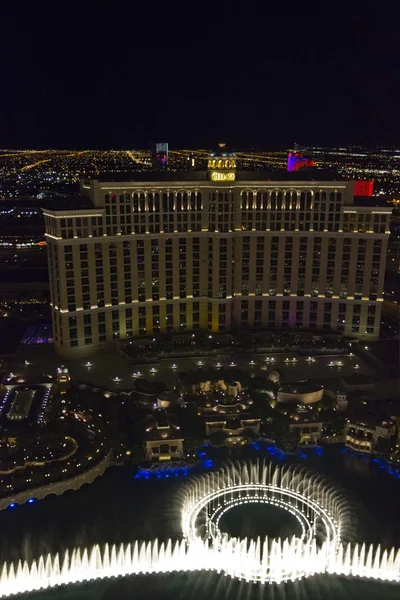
297 160
63 379
159 156
191 161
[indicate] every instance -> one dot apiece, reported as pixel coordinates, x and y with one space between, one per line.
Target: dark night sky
121 74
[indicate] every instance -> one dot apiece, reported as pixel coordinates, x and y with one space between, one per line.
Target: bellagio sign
222 176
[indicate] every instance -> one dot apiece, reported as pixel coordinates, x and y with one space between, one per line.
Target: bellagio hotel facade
216 250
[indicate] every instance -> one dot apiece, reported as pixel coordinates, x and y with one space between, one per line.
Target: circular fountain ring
322 512
311 500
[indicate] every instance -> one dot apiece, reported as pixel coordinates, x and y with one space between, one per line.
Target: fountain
322 512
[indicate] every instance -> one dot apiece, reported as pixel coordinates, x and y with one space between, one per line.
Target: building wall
164 449
157 257
306 398
393 254
314 429
362 438
359 445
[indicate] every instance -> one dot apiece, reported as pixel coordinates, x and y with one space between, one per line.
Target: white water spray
320 510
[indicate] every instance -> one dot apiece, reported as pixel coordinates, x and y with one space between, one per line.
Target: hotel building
219 249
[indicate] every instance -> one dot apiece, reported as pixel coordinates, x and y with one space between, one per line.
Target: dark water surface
263 520
118 508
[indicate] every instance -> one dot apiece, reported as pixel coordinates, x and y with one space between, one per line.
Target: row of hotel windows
287 319
289 200
169 202
272 291
115 300
223 223
181 201
243 242
360 221
142 323
299 305
302 266
172 201
222 291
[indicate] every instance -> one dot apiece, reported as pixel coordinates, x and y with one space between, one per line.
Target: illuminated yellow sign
222 176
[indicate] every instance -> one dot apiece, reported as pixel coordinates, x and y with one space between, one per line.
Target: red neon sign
363 188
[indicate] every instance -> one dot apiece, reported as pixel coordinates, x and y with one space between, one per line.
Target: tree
326 403
217 438
262 384
290 441
382 445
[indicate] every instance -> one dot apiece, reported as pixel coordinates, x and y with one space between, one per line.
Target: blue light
164 472
31 500
12 505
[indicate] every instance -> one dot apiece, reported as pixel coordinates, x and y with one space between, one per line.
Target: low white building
163 441
362 435
305 391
